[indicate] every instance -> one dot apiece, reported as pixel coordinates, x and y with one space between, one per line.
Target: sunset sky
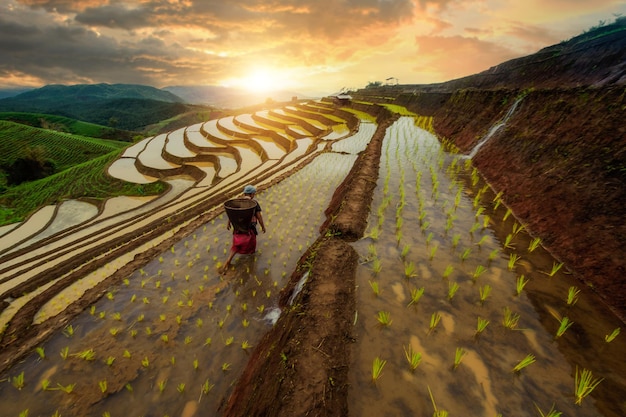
309 46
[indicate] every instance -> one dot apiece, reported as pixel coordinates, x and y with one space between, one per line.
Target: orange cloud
457 56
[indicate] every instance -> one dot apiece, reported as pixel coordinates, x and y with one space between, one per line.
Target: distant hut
343 99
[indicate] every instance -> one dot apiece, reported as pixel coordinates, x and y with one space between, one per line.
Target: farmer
245 242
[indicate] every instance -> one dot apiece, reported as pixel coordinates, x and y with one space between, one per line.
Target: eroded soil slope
560 162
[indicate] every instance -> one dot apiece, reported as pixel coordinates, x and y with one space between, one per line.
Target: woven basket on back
240 212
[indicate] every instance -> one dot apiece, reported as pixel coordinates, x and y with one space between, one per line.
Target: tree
374 84
32 166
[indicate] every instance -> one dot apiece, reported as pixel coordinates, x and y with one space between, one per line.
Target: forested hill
124 106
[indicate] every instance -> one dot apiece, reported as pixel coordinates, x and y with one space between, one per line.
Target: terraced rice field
441 255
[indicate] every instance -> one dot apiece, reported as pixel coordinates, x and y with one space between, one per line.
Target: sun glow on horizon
260 80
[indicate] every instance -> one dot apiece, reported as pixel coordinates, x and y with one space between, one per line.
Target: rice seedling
103 386
429 238
405 251
455 240
435 318
508 240
520 284
486 221
524 363
412 357
205 388
564 324
18 381
126 354
226 366
45 384
482 241
88 355
510 319
453 287
497 200
109 361
493 254
180 387
610 337
507 214
551 413
517 228
377 368
458 357
376 266
433 251
41 352
513 258
416 294
384 318
438 412
447 272
481 325
196 364
409 270
534 244
161 384
374 286
478 272
145 362
572 295
584 384
68 331
68 389
245 345
555 268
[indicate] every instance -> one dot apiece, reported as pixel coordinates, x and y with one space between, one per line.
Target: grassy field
80 169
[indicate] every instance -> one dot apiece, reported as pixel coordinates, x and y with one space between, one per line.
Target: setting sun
261 80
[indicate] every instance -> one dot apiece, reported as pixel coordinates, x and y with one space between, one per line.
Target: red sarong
244 243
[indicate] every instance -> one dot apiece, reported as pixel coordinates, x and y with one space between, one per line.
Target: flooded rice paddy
433 267
442 255
173 338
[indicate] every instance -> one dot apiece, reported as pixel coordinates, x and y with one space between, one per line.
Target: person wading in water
244 241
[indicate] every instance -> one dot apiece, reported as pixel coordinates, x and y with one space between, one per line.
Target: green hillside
88 179
121 106
40 167
63 149
68 125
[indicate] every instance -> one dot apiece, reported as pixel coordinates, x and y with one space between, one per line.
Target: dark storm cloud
328 18
115 16
62 54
